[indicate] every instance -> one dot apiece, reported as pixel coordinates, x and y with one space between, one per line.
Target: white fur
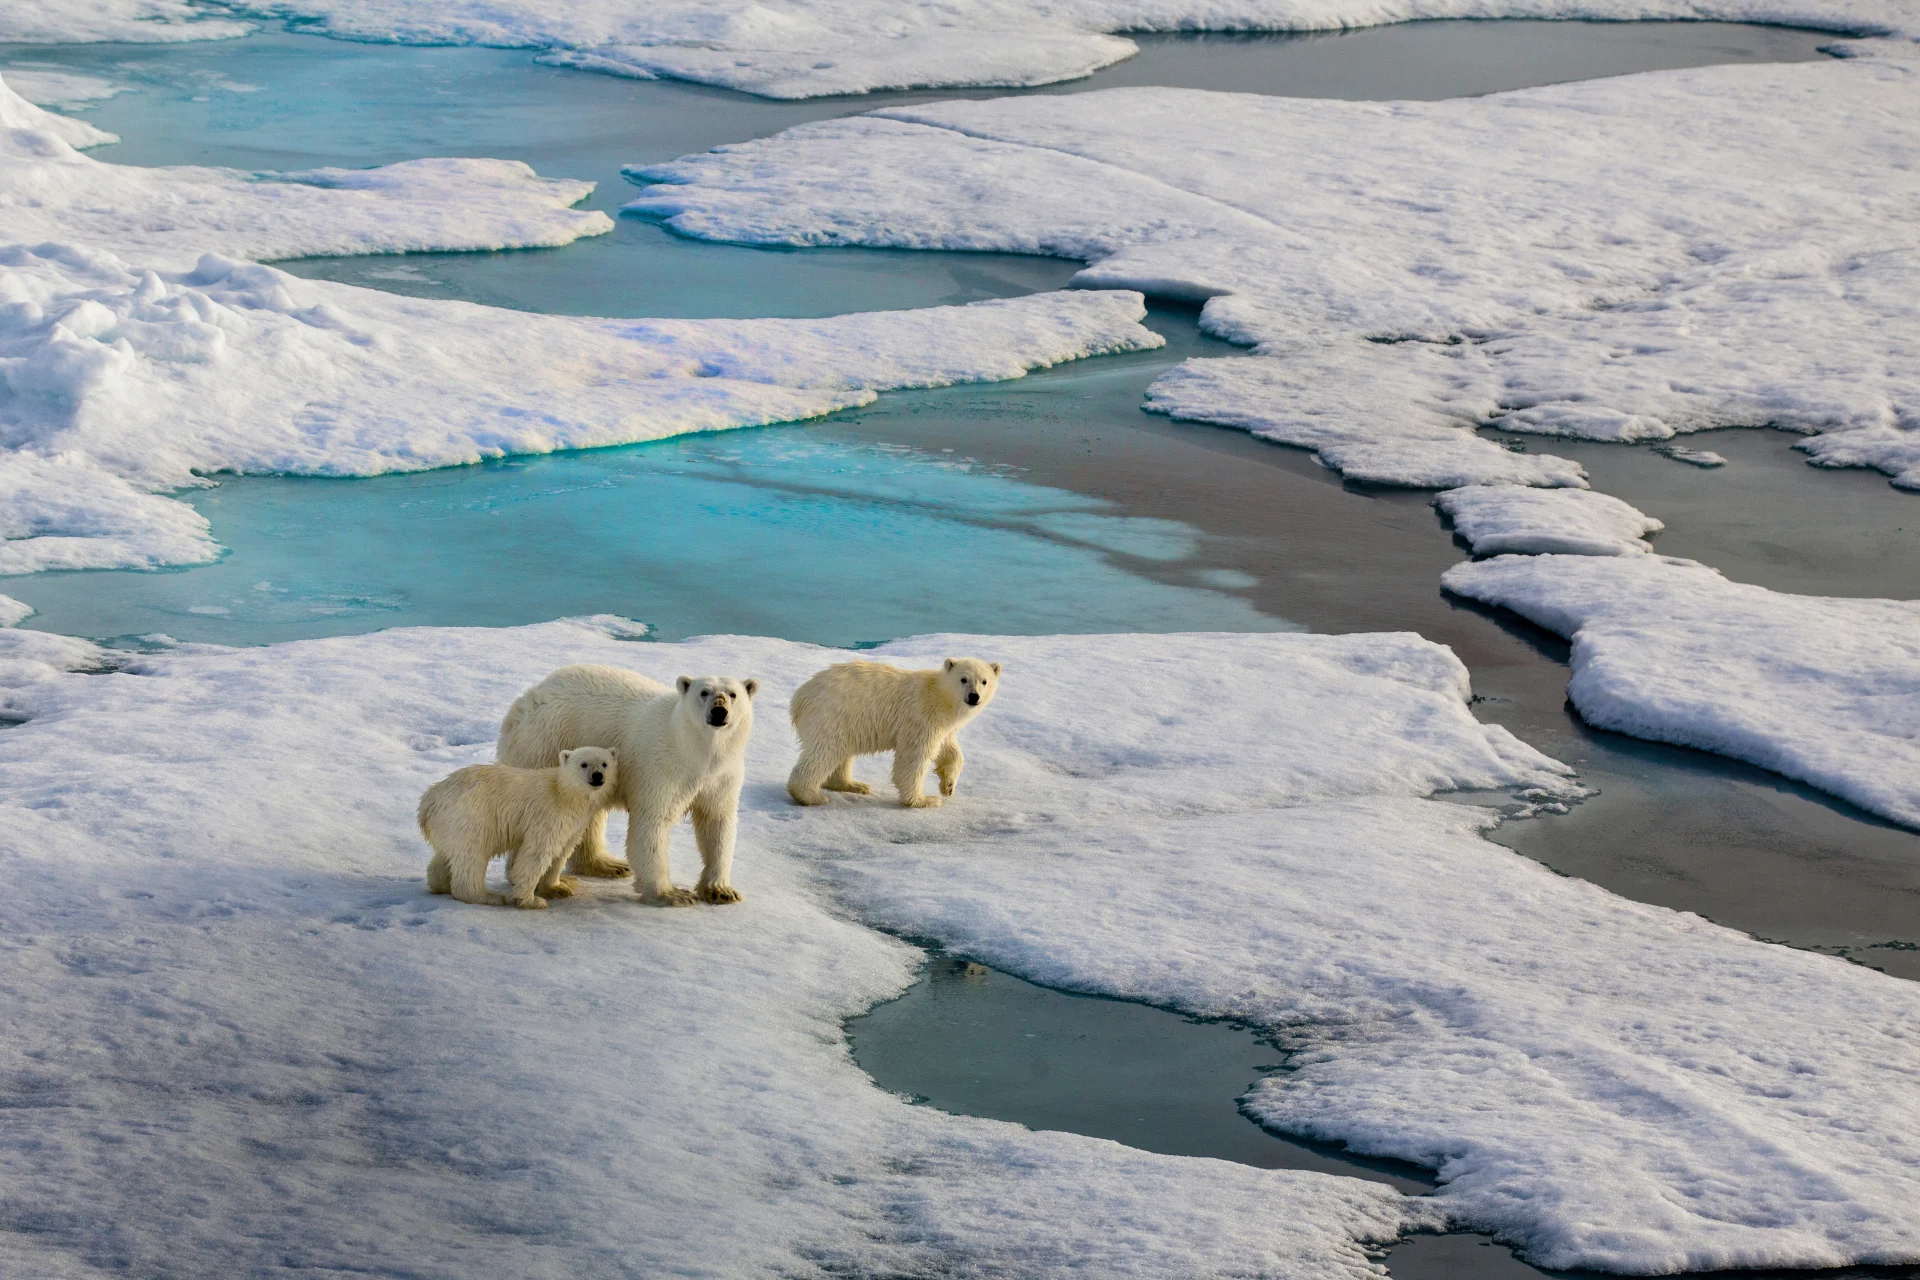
673 762
484 811
862 708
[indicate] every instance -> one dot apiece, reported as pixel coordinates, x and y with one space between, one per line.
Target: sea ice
1510 518
13 612
1618 259
1823 690
244 1037
804 48
127 382
1703 458
247 1034
49 191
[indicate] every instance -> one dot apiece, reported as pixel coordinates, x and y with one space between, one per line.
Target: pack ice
130 370
805 48
1823 690
1619 259
247 1035
1500 518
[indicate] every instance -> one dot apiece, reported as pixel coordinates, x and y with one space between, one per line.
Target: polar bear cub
683 750
535 816
861 708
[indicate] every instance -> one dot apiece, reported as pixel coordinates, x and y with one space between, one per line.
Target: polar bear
860 708
682 750
536 816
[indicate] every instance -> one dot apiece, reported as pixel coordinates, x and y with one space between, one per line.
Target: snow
1620 259
1825 691
13 612
49 191
1495 519
1704 458
53 87
242 1037
248 1035
806 48
130 381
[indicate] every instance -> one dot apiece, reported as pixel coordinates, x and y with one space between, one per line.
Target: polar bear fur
861 708
682 750
535 816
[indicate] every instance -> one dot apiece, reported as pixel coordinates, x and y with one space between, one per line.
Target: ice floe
13 612
1619 259
805 48
127 381
243 1034
1823 690
49 191
1495 519
217 885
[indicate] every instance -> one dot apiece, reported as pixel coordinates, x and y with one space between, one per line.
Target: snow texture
87 21
13 612
805 48
1621 259
50 192
1825 691
242 1037
1495 519
126 382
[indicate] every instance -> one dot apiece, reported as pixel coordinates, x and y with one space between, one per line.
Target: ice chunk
126 382
1703 458
13 612
135 21
1823 690
1621 259
1495 519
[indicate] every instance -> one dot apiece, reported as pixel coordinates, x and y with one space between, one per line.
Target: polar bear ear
949 665
685 683
612 754
565 758
753 687
995 666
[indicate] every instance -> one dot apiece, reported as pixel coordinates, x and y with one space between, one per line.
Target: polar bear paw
718 894
671 896
948 785
602 868
923 802
535 903
484 900
564 887
849 787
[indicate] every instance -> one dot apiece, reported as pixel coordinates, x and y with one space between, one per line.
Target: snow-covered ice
1703 458
53 87
805 48
1617 259
1495 519
51 192
128 381
1823 690
13 612
245 1028
242 1036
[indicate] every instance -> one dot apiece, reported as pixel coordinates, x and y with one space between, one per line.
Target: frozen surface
1495 519
805 48
243 1034
1618 259
51 87
1823 690
50 192
128 381
13 612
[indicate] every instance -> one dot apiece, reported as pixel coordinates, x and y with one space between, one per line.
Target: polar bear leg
470 879
527 869
647 852
439 874
910 773
553 884
715 819
946 762
590 857
816 764
842 780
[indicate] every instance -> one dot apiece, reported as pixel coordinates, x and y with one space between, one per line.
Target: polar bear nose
717 716
597 778
973 698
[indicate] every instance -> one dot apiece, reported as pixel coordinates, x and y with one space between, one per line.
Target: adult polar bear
681 751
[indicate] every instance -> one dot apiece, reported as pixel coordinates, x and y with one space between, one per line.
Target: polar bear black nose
597 778
973 699
717 716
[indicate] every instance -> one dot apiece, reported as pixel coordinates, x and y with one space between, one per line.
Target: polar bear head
587 769
719 702
969 681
